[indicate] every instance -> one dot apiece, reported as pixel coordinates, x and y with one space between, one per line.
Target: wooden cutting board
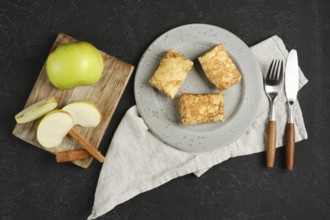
105 94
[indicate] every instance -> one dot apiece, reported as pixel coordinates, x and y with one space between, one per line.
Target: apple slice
53 128
36 110
84 113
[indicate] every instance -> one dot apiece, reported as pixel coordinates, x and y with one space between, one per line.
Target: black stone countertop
33 186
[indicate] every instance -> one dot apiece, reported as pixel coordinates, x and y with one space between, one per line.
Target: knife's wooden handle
271 143
290 145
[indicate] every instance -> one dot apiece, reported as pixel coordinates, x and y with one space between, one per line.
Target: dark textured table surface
33 186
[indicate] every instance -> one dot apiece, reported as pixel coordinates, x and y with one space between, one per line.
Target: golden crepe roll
219 68
171 73
201 108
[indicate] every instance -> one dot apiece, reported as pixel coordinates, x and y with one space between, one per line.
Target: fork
273 84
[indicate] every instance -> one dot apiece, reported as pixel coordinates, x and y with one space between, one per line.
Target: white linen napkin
137 161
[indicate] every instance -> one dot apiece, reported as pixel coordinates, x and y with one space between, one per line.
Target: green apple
74 64
36 110
84 113
53 127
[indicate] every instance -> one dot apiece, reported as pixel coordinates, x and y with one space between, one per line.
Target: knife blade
291 89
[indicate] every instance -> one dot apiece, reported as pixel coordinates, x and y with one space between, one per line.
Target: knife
291 90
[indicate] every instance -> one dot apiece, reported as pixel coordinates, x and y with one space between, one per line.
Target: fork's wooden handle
290 145
271 143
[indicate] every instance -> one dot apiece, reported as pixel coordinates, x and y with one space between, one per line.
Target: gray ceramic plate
160 113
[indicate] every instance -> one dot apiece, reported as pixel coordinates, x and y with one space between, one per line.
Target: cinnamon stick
72 155
86 145
61 97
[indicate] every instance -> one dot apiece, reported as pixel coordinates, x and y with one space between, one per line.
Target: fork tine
278 73
275 71
280 77
270 70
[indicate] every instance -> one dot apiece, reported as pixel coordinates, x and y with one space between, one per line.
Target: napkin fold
137 161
